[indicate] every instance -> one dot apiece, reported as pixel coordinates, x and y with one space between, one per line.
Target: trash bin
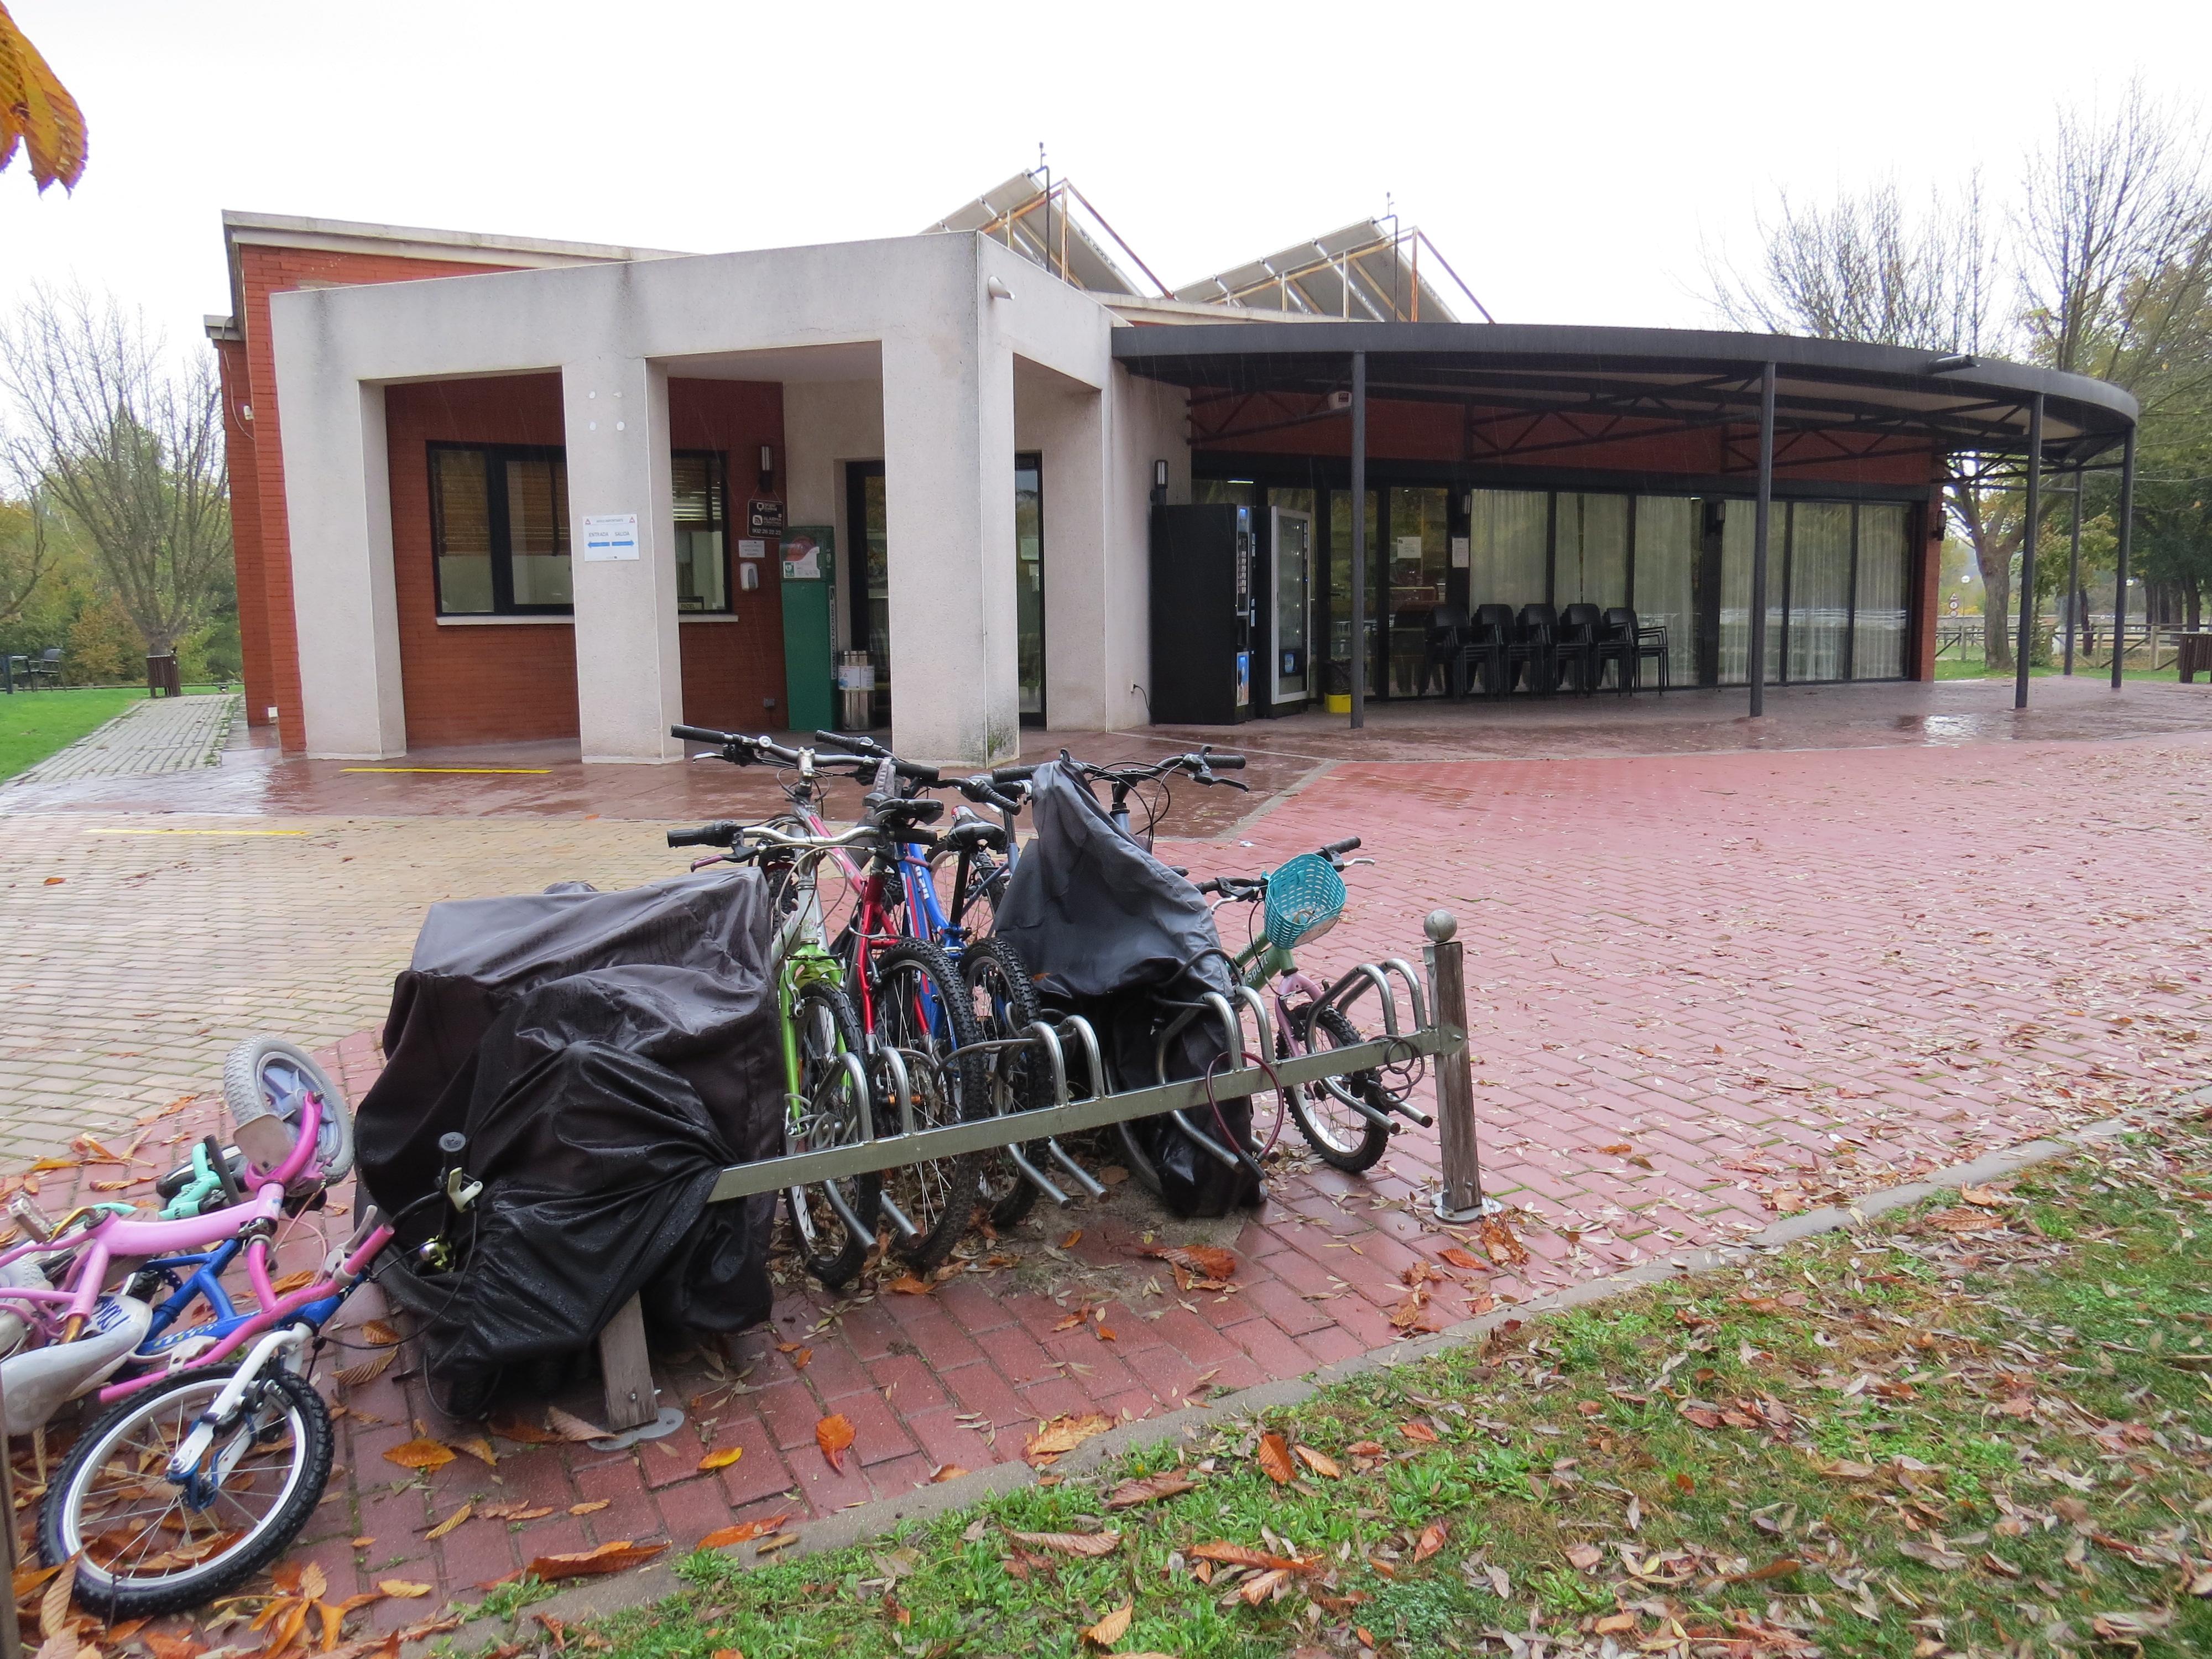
856 690
161 679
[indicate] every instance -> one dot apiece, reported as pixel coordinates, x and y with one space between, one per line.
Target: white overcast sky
1570 159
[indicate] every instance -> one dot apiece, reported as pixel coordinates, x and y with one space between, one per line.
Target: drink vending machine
1203 621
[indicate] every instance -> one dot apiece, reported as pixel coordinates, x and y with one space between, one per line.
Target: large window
1877 613
1820 591
1590 551
499 527
698 485
1668 529
1508 546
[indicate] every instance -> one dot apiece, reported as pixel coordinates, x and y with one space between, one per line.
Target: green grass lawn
1949 669
34 724
1980 1428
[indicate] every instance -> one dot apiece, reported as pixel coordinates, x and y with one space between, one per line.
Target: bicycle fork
221 1415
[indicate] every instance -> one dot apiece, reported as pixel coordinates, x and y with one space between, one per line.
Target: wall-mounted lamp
1160 483
1953 363
766 468
998 290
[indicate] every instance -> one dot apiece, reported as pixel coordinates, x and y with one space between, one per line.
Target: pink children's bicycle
215 1447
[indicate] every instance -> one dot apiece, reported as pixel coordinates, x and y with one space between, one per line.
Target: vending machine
1289 614
1203 622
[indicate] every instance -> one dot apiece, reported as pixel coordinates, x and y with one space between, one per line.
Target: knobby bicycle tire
824 1028
921 1007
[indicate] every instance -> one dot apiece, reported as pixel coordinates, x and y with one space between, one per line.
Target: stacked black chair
1651 641
1536 633
1575 644
1448 629
1616 646
1499 639
1487 649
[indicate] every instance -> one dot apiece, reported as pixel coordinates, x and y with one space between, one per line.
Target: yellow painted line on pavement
195 832
473 771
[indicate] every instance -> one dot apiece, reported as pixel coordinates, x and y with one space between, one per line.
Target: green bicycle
827 1100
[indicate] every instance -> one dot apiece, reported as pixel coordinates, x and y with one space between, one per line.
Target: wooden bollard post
1460 1199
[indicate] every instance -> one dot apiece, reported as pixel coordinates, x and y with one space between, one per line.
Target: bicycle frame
240 1228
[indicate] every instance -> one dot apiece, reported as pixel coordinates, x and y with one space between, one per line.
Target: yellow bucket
1340 702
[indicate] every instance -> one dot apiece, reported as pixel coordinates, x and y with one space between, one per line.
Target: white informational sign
610 536
1409 549
752 549
1459 552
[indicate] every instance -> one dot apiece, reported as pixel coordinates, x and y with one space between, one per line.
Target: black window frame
719 457
497 525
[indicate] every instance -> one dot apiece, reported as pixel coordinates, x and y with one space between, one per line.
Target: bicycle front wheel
1328 1112
145 1545
922 1010
834 1220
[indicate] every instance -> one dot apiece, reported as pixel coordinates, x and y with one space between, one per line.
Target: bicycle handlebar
852 744
723 832
704 734
1337 849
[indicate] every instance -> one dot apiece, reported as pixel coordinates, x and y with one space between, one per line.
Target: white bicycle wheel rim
91 1573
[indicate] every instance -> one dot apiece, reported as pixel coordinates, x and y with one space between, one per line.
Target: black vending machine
1202 622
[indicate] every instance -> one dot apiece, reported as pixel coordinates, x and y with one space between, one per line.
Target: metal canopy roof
1630 378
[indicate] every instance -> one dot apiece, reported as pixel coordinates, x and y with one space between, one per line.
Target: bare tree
1866 268
1869 268
2115 249
131 448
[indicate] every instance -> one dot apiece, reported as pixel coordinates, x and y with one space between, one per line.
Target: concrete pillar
346 606
629 674
1065 421
949 495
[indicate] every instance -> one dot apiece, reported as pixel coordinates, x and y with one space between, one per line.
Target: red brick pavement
1704 988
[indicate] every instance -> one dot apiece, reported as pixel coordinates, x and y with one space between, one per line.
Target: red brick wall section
264 271
732 670
470 683
246 530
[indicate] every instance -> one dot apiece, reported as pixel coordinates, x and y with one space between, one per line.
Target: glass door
868 623
1289 642
1336 673
1419 533
1028 584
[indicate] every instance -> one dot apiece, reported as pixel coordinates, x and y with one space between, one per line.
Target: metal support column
2074 572
2127 542
2027 551
1358 539
1758 665
1461 1197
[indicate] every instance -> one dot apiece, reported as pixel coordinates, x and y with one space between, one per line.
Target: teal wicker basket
1304 898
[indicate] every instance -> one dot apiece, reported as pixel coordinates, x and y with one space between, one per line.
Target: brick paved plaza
1736 974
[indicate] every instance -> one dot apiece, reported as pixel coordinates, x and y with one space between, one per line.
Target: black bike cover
1125 938
605 1054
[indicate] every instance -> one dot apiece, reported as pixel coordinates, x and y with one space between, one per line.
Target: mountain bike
827 1095
1002 993
918 1027
1347 1119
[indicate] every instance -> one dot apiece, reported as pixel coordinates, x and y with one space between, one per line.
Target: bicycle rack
1437 1030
